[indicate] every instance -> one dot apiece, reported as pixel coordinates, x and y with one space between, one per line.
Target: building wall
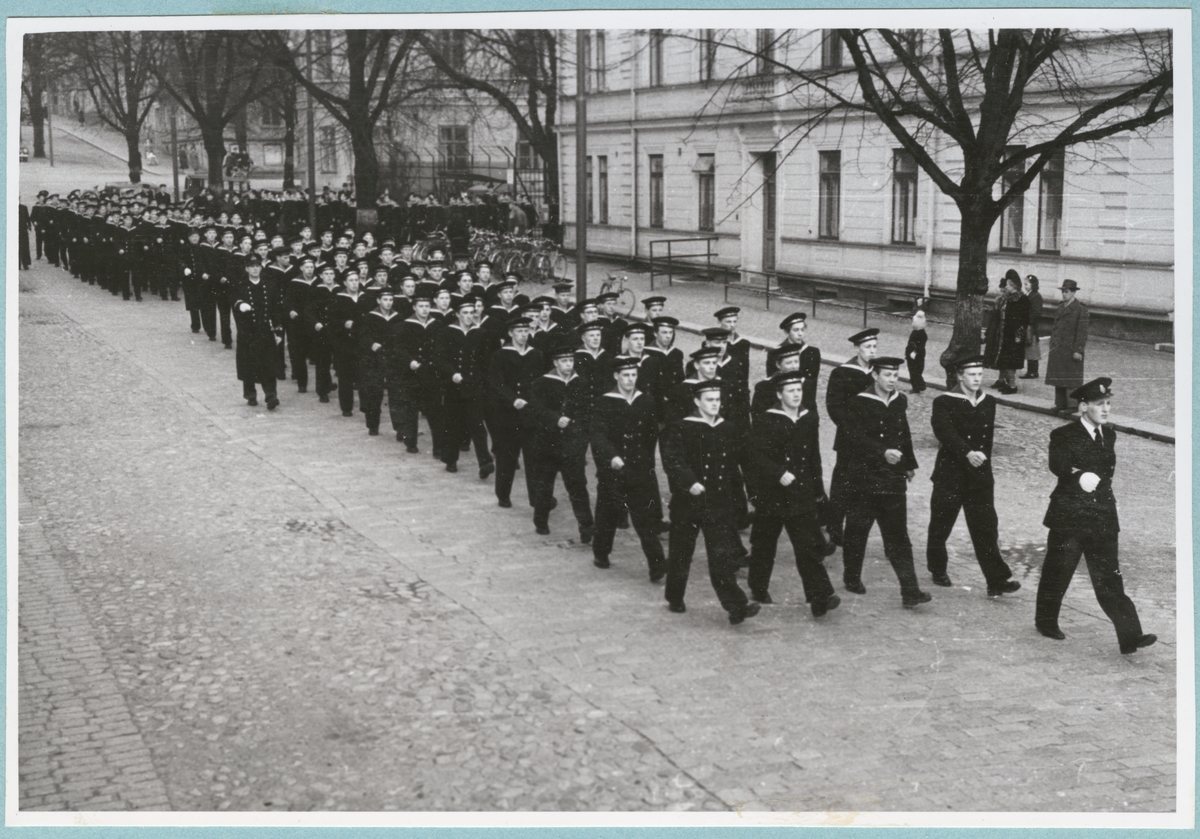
1117 219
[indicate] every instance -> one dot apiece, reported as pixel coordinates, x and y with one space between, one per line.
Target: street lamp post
49 127
580 167
175 153
312 137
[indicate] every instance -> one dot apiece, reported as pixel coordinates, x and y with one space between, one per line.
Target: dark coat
257 330
1035 315
553 399
1004 348
962 427
1068 337
783 445
510 377
628 430
464 352
845 382
1072 453
374 366
872 427
713 455
414 342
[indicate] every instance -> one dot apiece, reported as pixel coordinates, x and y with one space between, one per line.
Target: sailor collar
353 297
528 349
974 400
618 395
784 413
854 363
553 375
428 322
594 355
459 327
388 316
706 422
870 394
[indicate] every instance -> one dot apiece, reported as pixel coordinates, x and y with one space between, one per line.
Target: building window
708 54
453 148
764 51
596 61
831 49
1013 218
453 45
602 189
656 190
1050 206
526 159
587 185
904 197
324 53
272 154
656 57
328 149
270 117
829 211
705 169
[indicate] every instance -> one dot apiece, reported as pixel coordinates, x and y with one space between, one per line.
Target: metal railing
817 290
675 262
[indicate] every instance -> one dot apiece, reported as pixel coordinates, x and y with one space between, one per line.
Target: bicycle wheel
539 269
625 302
558 266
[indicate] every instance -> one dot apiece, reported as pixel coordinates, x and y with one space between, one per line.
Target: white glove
245 307
187 272
1088 481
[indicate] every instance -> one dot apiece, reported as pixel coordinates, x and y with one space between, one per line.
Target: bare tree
213 75
44 56
356 86
1009 101
118 70
518 70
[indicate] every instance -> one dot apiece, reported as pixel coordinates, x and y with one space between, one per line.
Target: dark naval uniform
457 351
510 377
878 490
373 371
964 424
712 454
346 309
845 383
258 330
417 388
1085 524
562 450
783 445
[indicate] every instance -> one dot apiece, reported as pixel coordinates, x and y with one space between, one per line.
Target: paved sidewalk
1143 379
303 617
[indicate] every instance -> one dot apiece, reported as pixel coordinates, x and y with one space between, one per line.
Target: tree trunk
214 149
133 138
289 137
366 168
972 284
549 154
241 132
37 115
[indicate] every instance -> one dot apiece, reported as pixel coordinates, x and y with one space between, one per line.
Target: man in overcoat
1064 362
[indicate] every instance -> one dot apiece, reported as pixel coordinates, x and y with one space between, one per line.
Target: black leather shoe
601 562
657 577
272 403
542 530
324 397
373 432
451 467
762 597
1006 587
485 470
1029 376
916 599
943 580
505 503
553 503
1007 390
252 402
677 608
856 587
820 607
830 548
747 611
347 413
585 535
1052 632
412 450
302 389
1144 641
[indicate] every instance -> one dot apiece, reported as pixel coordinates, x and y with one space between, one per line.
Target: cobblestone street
276 612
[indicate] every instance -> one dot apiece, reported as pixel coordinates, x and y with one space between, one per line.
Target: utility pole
580 167
312 138
49 128
175 153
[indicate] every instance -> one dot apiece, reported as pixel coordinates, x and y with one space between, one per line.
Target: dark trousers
297 347
635 489
205 316
138 274
916 373
40 236
321 354
835 510
807 543
52 249
724 549
370 400
509 438
424 399
344 361
223 307
891 511
463 420
979 508
1063 550
23 249
544 464
1063 400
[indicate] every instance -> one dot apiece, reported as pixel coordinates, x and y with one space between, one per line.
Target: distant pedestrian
1082 518
1064 362
1033 342
23 236
914 352
1004 349
259 331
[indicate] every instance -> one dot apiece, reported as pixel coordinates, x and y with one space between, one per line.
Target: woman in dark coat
1004 349
1033 346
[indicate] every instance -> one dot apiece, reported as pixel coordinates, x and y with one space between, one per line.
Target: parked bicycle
625 297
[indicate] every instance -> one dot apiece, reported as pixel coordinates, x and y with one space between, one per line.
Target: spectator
1033 346
1064 362
1004 349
